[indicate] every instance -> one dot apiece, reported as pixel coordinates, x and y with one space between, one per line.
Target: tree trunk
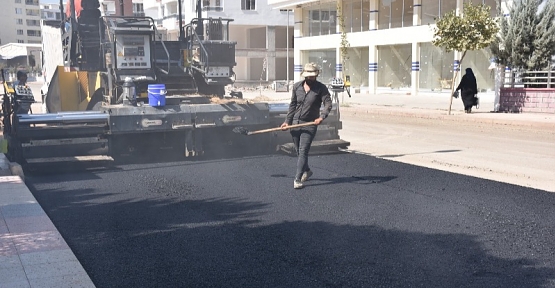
499 80
453 82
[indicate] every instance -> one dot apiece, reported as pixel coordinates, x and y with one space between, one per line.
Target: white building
390 43
50 12
111 7
260 31
20 21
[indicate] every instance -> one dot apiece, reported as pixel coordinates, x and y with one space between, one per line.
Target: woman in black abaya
469 90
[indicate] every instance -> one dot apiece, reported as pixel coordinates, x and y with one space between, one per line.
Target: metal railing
529 79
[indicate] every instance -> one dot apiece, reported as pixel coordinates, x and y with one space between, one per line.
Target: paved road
519 155
361 222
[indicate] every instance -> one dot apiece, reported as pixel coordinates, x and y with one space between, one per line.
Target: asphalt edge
456 116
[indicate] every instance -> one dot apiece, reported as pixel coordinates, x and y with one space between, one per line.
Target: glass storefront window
320 19
383 14
365 15
357 15
357 66
394 66
436 68
395 13
408 11
430 11
479 62
447 6
325 59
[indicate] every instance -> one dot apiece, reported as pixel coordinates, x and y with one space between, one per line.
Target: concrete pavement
34 254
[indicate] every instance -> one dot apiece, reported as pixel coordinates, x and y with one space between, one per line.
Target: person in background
21 79
306 100
469 90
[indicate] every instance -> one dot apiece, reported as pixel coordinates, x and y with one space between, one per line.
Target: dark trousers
302 138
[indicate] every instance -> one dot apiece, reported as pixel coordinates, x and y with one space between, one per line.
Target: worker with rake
306 100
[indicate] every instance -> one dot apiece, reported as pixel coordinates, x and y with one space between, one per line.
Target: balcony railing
139 14
213 8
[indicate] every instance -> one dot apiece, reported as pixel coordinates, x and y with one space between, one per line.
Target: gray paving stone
31 227
46 257
13 274
55 269
22 209
7 247
16 196
7 262
62 282
16 284
38 242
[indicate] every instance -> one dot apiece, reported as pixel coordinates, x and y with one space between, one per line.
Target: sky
50 1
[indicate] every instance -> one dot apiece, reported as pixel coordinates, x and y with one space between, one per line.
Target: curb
8 168
542 121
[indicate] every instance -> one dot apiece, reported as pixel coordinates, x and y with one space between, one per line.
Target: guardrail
529 79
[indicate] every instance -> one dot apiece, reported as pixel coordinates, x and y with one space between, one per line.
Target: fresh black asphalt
360 222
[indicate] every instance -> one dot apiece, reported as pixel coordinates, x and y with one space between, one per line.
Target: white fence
529 79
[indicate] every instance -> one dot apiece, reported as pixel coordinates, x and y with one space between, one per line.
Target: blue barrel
156 95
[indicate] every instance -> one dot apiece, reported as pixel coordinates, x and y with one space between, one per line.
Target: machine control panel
133 52
23 93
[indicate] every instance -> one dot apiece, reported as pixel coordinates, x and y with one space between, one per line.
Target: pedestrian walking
469 90
306 100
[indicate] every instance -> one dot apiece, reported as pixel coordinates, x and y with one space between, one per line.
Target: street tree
526 40
475 29
527 37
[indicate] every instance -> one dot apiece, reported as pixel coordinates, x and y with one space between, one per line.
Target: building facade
50 12
263 34
20 21
390 43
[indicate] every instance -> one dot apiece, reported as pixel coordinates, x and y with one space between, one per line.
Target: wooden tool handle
279 128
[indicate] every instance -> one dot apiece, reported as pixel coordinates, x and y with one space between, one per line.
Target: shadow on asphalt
224 243
363 180
401 155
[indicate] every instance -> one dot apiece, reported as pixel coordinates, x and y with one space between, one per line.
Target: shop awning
13 50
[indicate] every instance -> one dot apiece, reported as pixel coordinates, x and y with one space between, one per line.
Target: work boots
306 175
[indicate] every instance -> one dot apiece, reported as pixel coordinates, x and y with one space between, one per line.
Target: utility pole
287 83
180 15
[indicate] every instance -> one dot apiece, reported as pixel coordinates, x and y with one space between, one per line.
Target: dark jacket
305 107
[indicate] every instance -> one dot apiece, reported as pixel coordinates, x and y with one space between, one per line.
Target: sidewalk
32 251
34 254
430 105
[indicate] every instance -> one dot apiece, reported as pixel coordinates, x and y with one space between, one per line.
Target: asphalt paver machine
117 88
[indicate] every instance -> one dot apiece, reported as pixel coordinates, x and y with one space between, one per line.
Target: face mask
309 81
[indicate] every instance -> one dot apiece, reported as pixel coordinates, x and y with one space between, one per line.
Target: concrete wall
527 100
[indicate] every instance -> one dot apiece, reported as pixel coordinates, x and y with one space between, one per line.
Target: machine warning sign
147 122
228 119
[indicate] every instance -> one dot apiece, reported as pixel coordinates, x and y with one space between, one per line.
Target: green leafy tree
475 29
